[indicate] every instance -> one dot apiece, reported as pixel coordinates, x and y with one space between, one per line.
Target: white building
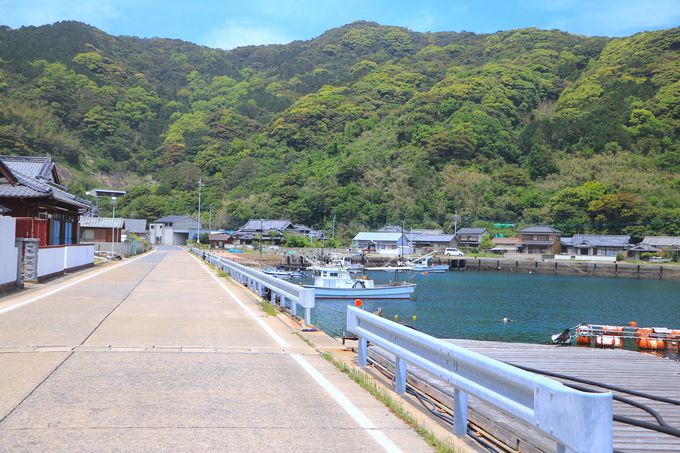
174 230
384 243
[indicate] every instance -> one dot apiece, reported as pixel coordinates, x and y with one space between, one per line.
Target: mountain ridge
365 122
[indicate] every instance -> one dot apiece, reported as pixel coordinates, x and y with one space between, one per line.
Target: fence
577 421
8 253
259 281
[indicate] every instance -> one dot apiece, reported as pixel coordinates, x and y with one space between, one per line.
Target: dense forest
367 124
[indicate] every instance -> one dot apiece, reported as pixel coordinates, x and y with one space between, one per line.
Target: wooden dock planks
629 369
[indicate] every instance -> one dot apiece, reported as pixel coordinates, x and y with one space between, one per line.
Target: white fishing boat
337 283
345 262
425 264
282 273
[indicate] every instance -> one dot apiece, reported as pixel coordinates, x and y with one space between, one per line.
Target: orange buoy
632 324
583 335
358 303
652 344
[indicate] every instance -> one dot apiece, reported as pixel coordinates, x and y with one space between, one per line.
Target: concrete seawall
667 272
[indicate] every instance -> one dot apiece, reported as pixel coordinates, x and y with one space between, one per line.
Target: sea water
473 305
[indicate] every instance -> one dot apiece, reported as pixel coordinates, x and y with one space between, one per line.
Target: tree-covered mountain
366 123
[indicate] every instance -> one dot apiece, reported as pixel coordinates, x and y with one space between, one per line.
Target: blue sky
228 24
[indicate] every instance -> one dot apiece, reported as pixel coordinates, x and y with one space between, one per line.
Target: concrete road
157 354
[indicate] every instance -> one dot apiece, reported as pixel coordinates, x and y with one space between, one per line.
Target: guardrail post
460 409
400 376
308 315
363 346
293 307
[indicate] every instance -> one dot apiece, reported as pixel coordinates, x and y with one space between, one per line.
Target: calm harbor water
473 304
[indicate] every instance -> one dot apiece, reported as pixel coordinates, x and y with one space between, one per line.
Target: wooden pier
628 369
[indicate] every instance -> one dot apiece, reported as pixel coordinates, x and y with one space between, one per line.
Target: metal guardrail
259 281
577 421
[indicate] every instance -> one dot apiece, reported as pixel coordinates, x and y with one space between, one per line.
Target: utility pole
455 223
113 225
198 232
261 233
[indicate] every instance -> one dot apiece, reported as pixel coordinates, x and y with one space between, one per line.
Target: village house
470 237
31 191
135 227
273 230
101 229
426 242
540 239
506 245
174 230
595 245
384 243
655 244
220 240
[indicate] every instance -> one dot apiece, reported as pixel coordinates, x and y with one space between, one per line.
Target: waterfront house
426 242
220 240
101 229
384 243
655 244
595 245
506 245
31 191
174 230
273 230
470 237
540 239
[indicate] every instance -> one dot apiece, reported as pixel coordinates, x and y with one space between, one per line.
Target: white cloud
244 32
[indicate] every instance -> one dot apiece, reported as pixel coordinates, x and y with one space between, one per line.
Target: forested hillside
366 123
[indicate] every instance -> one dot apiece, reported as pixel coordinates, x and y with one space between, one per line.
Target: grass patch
268 308
369 384
306 340
222 274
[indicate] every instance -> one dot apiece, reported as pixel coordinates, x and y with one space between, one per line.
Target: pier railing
258 281
577 421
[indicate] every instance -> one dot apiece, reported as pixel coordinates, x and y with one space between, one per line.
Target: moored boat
337 283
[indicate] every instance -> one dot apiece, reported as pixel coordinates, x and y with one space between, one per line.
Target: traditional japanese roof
267 225
136 225
32 166
472 231
39 181
172 219
662 241
101 222
539 229
596 240
641 247
378 236
219 237
420 237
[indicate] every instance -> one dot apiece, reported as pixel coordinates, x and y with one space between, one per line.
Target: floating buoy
505 320
632 324
396 316
583 335
607 341
414 317
358 303
652 344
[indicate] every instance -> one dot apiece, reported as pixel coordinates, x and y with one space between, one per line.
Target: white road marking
347 405
69 285
339 397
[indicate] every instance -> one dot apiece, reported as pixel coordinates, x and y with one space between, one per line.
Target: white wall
592 258
50 260
78 255
8 250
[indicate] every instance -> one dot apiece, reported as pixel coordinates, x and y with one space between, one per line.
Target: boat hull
379 292
437 268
